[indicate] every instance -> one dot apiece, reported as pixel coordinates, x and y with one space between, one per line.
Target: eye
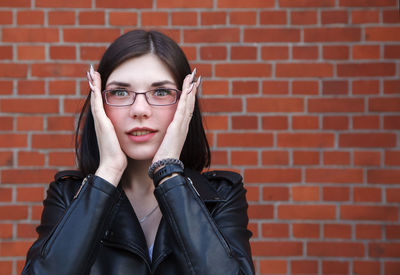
161 92
119 92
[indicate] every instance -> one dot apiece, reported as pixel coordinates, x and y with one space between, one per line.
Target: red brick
385 250
306 230
365 87
213 53
260 211
305 122
273 267
334 17
43 141
13 70
393 195
392 231
89 35
58 69
391 122
305 52
30 123
392 51
6 158
211 35
366 52
273 17
30 35
6 17
306 3
335 122
274 230
364 16
335 249
334 175
91 53
243 53
275 87
62 158
305 158
366 122
13 140
6 123
242 70
367 267
245 122
6 232
379 104
62 4
271 35
6 52
382 34
253 193
244 140
212 18
13 212
367 3
384 176
275 158
219 157
367 158
306 212
368 231
61 123
30 158
30 194
27 176
190 52
62 52
275 122
274 52
335 267
367 194
73 105
6 87
6 195
244 158
305 193
277 248
14 248
221 105
123 18
304 267
367 140
128 4
30 17
37 212
15 3
272 175
303 17
335 87
61 17
369 213
91 18
24 105
154 18
242 18
336 52
246 4
391 16
305 87
31 87
335 105
62 87
275 193
369 69
336 193
27 230
31 52
304 70
275 104
336 158
305 140
214 87
244 87
392 158
332 35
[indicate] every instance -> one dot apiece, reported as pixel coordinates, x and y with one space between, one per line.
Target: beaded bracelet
163 162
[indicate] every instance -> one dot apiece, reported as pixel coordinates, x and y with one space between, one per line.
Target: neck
135 178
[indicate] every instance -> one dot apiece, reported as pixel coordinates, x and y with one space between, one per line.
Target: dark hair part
196 152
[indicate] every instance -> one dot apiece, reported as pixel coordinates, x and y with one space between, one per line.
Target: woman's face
140 127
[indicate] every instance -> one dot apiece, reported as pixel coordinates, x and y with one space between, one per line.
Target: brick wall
300 96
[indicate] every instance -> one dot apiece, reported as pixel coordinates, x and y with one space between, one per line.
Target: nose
140 108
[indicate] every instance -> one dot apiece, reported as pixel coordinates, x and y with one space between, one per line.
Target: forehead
141 71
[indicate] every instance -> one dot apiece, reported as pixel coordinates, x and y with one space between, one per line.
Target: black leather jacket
94 230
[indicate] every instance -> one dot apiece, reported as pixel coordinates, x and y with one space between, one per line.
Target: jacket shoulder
68 174
229 176
65 185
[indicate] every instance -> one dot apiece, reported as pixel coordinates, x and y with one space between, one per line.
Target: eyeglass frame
178 95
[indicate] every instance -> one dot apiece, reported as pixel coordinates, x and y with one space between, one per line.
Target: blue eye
119 93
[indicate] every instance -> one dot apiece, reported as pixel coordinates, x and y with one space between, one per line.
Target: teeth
140 133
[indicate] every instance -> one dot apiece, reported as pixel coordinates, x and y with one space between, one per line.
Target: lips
141 134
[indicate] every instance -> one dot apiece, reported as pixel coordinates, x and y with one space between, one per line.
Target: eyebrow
154 84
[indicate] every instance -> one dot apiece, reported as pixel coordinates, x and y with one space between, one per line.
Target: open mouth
140 133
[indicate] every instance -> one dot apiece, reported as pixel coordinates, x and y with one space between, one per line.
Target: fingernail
191 87
91 72
91 86
198 81
194 73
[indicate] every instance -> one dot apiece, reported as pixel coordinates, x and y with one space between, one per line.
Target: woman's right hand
113 160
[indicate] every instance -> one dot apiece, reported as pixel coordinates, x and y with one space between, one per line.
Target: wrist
111 175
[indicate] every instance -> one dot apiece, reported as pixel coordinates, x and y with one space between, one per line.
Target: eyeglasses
157 97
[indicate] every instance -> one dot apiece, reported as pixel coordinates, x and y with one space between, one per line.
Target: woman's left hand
175 136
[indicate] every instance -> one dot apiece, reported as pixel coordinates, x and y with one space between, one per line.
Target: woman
138 204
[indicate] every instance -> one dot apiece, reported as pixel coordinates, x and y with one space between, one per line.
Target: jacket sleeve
71 228
216 243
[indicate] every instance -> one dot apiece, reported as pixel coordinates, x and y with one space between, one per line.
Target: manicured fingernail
91 86
91 72
198 81
191 88
194 73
